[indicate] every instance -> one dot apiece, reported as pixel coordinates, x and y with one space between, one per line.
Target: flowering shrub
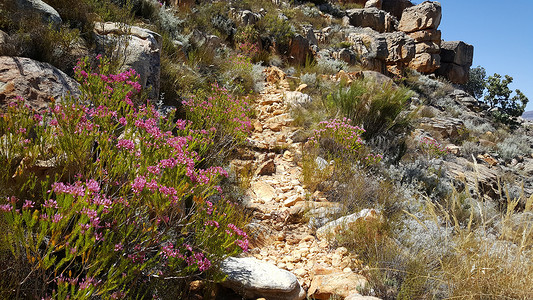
432 148
101 197
346 137
224 115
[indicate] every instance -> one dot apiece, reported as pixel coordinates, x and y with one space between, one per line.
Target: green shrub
376 107
122 209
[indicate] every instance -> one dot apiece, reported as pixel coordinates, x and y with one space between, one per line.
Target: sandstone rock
395 7
264 191
140 49
373 3
266 168
301 87
444 128
426 15
299 51
250 277
457 52
341 224
336 285
488 159
47 12
356 296
426 35
456 59
371 17
425 62
454 73
427 47
34 81
484 176
297 98
292 200
400 47
346 55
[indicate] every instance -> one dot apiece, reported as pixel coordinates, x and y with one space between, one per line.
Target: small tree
499 96
477 79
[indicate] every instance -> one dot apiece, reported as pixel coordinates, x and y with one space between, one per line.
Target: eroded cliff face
391 36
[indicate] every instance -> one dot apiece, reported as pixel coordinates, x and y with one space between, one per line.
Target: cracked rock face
36 82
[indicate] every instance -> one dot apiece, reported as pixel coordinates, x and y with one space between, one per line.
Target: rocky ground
279 235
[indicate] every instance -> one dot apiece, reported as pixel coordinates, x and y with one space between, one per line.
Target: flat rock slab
264 191
252 278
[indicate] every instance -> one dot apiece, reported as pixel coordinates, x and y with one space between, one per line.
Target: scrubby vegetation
112 195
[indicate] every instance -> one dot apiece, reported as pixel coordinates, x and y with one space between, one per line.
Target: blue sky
502 35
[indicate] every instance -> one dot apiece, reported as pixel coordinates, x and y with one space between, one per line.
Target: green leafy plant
499 96
376 107
477 78
122 211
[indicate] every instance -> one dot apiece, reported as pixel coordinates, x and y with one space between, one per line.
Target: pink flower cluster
346 135
432 147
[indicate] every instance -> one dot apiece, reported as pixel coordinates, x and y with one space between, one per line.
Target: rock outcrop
456 59
36 82
395 7
250 278
336 285
299 49
47 13
377 19
140 49
382 52
420 22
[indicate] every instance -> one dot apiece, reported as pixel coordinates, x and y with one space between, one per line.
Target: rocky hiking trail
288 259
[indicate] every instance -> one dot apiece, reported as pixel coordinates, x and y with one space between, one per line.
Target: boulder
336 285
340 225
247 17
36 82
426 15
395 7
299 49
456 59
368 43
252 278
373 3
425 62
457 52
372 17
140 49
5 44
346 55
297 98
47 12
